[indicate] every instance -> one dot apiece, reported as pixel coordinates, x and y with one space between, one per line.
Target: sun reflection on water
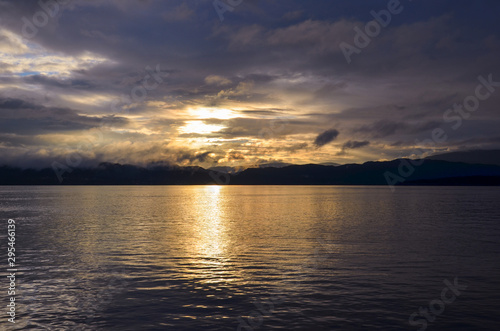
210 224
210 245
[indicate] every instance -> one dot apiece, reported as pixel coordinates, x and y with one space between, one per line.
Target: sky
244 83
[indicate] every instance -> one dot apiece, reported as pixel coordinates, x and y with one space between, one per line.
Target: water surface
209 257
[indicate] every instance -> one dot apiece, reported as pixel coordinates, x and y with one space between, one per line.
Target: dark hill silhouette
108 174
369 173
430 172
475 156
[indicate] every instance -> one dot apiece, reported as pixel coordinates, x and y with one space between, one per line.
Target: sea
250 258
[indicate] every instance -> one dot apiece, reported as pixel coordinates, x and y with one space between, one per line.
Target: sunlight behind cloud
217 113
200 127
90 98
21 58
10 43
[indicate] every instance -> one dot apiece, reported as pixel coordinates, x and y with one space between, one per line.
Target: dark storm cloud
355 144
46 81
14 140
134 48
382 128
326 137
14 104
352 144
22 117
272 58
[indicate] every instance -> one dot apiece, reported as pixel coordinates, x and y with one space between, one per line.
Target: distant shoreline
428 173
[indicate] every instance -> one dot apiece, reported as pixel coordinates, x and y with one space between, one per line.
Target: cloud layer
149 81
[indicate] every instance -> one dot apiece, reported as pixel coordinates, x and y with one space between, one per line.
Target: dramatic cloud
355 144
326 137
352 145
19 116
167 81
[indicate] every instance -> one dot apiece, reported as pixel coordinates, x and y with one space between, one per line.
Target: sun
200 127
217 113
